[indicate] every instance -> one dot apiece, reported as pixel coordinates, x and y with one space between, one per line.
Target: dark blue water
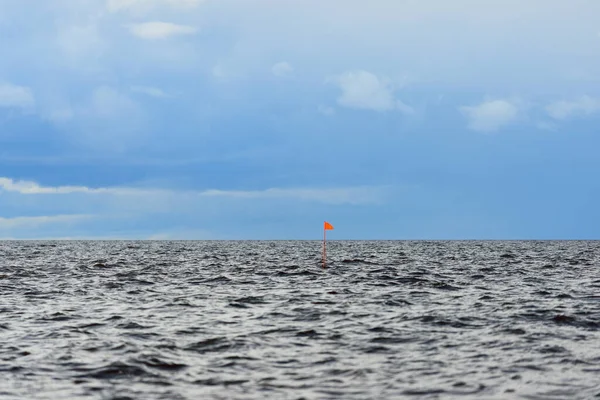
263 320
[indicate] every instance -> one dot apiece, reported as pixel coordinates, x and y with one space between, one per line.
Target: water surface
263 320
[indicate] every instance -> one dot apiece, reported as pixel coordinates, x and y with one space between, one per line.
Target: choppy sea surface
263 320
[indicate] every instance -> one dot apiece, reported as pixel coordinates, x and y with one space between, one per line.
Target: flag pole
326 226
324 250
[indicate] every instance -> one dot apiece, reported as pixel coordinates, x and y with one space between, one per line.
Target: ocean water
263 320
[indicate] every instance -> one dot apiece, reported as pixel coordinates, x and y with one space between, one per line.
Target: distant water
262 320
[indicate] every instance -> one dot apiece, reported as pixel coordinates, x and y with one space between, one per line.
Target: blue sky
259 119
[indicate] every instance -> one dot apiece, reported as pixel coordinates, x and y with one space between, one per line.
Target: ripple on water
255 320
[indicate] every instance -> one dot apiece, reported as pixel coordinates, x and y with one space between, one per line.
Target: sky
260 119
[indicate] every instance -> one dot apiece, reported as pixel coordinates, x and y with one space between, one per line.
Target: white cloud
282 69
129 210
160 30
398 35
583 106
352 195
364 90
20 222
145 5
16 96
490 115
344 195
29 187
150 91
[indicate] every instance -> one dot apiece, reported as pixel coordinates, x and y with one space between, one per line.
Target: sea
120 320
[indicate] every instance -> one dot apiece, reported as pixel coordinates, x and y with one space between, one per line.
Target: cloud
134 211
352 195
159 30
344 195
364 90
583 106
146 5
282 69
490 115
20 222
29 187
16 96
150 91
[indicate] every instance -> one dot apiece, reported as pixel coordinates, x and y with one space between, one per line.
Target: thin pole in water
324 247
326 226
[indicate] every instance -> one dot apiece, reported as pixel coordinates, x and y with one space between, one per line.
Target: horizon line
289 240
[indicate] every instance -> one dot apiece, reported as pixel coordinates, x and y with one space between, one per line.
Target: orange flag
327 226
